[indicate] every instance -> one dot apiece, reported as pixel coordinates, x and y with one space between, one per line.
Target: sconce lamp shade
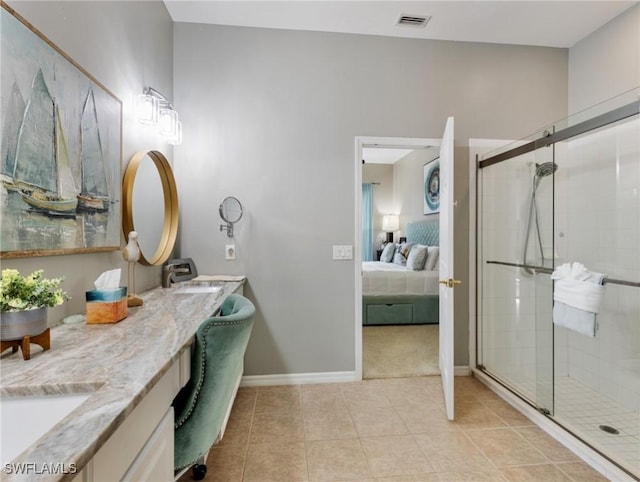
147 109
176 140
168 123
390 222
153 108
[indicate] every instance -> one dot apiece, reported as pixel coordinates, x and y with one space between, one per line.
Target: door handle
450 283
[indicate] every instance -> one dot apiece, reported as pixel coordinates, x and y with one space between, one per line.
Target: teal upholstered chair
217 363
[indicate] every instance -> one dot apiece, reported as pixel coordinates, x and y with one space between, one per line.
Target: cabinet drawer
117 454
389 314
155 460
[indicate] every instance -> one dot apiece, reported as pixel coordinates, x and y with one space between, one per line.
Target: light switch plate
230 251
342 252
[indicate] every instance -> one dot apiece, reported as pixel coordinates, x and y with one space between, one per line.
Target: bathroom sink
197 289
25 419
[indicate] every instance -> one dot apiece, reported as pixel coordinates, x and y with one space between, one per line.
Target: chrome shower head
545 169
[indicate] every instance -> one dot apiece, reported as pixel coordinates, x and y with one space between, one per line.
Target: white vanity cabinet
141 449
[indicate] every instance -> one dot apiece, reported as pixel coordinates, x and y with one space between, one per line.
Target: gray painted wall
408 179
270 116
605 63
125 45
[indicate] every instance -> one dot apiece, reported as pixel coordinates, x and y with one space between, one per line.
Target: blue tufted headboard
424 232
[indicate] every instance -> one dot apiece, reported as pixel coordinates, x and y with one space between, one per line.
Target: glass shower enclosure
567 194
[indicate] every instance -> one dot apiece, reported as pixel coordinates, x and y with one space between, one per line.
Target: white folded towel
577 295
575 271
584 295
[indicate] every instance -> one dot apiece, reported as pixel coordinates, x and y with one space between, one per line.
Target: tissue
109 280
108 302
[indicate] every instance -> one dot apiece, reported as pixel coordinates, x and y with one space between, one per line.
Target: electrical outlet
230 251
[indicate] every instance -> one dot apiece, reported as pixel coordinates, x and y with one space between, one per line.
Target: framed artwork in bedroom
431 192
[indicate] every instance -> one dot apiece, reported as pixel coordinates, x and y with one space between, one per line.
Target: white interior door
447 281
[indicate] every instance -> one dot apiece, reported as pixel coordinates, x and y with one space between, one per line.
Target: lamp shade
176 140
147 109
168 123
390 222
153 108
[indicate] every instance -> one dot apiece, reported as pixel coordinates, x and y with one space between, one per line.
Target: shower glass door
516 238
567 195
597 223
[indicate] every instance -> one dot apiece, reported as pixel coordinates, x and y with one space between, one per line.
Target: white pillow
387 253
405 249
398 258
417 257
433 258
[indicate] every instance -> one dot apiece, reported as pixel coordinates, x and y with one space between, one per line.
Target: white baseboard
323 377
582 450
297 379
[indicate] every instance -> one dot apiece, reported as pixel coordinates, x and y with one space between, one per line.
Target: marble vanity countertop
117 364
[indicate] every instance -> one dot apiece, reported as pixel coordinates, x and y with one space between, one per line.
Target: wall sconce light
153 108
390 223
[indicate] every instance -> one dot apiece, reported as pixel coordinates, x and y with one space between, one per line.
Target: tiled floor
583 410
390 429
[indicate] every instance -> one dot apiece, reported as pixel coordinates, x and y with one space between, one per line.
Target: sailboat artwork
95 192
10 131
42 172
60 150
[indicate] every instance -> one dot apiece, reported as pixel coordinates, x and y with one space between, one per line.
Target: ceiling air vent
413 21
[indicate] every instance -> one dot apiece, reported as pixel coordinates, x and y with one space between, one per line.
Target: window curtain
367 222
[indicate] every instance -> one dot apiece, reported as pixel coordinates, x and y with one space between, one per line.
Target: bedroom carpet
399 351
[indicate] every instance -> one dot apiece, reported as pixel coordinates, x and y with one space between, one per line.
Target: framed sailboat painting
60 148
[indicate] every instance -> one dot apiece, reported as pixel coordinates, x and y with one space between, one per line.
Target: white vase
14 325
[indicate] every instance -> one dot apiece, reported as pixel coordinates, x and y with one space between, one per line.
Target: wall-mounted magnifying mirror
150 205
230 211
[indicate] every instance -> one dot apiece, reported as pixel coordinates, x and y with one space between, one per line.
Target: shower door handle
450 282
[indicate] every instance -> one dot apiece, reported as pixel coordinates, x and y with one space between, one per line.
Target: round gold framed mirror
156 224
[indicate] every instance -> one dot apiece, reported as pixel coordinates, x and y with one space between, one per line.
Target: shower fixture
545 169
542 170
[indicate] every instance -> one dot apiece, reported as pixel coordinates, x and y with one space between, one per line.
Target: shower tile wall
597 222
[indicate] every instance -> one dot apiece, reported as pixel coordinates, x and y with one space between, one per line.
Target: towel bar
542 269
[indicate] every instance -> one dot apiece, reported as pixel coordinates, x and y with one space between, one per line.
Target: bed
395 295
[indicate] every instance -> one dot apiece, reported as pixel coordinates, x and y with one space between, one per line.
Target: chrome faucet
168 271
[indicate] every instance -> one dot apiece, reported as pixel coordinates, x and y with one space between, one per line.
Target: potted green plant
24 302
